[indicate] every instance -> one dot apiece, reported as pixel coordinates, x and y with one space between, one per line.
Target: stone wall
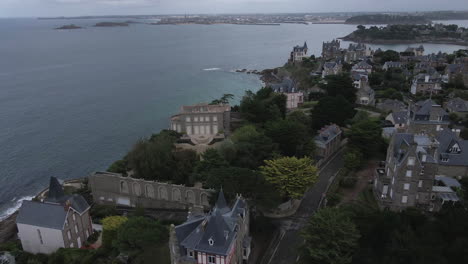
113 188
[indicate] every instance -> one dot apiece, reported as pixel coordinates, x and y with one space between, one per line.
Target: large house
427 117
357 52
59 221
360 79
219 237
363 67
331 68
457 105
294 98
392 65
328 141
426 84
299 53
366 96
407 180
331 50
419 51
398 119
202 123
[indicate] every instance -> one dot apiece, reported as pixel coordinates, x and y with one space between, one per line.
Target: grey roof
55 194
299 48
393 64
457 105
219 225
327 134
447 181
362 64
391 105
455 68
42 214
447 139
286 86
400 117
401 143
423 110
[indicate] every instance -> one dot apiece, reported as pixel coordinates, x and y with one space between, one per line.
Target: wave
212 69
17 204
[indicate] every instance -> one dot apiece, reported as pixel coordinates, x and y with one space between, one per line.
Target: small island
111 24
387 19
408 34
71 26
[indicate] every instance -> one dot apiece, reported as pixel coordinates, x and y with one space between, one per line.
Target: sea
74 101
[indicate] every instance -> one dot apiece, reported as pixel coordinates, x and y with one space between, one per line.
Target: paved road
284 250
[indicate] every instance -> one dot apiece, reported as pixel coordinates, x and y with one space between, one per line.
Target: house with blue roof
219 237
59 221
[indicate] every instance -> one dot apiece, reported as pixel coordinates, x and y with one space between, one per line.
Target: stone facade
298 54
331 50
427 117
202 123
328 141
113 188
426 84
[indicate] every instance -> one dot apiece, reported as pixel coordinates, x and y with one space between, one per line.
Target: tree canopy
331 237
263 105
331 110
290 176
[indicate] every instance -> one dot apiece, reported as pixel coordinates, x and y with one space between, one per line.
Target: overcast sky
21 8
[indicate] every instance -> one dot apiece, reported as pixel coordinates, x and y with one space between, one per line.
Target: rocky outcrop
8 228
71 26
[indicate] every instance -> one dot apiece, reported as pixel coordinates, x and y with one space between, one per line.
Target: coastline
397 41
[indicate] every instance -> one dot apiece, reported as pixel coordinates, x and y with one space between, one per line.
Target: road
284 250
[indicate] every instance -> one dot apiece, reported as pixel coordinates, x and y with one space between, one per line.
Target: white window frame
187 119
420 184
404 199
409 173
406 186
211 259
411 161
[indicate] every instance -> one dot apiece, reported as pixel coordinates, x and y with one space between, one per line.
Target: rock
71 26
111 24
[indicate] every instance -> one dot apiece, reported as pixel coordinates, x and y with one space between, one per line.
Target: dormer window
191 253
444 159
211 242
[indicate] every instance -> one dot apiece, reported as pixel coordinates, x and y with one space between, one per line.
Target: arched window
176 195
204 199
136 189
190 197
149 191
123 187
162 193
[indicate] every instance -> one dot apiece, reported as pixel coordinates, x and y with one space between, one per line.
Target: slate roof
219 225
447 181
299 48
286 86
393 64
362 64
457 105
52 212
327 134
391 105
42 214
400 117
447 139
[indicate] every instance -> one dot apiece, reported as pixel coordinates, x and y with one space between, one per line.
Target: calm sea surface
72 102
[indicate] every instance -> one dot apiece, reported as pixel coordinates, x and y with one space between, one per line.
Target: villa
299 53
202 123
328 141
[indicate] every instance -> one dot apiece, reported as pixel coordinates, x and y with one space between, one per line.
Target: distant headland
71 26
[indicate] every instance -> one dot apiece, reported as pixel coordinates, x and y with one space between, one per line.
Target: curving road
284 249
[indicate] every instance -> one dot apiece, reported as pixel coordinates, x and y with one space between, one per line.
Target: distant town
354 156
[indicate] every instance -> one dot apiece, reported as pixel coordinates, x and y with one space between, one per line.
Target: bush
100 211
348 182
333 199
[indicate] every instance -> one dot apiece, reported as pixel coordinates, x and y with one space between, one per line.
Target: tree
366 137
119 166
248 148
263 105
110 225
290 176
290 136
223 100
341 85
330 237
210 159
331 110
353 159
140 233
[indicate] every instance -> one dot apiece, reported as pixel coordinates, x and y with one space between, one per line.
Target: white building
60 221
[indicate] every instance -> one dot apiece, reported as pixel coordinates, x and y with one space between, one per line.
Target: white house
60 221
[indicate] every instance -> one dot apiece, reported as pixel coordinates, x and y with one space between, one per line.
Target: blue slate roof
218 226
447 139
42 214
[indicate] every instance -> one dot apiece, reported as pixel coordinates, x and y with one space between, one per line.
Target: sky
35 8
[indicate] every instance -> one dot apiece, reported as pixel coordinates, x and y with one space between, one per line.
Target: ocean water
73 101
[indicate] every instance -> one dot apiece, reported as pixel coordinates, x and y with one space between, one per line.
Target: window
409 173
388 171
196 119
215 118
393 180
444 159
211 241
191 253
202 118
211 259
411 161
40 236
385 190
406 186
69 234
76 229
404 199
74 218
187 119
391 193
420 184
207 119
123 187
